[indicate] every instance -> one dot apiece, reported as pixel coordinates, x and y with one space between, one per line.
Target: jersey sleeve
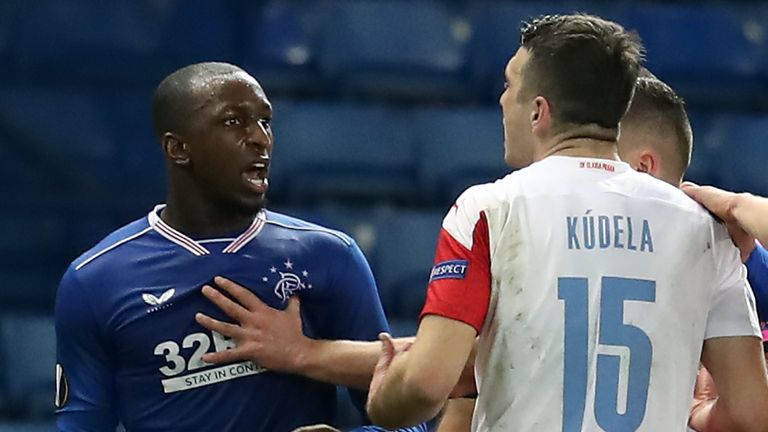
732 311
757 274
85 393
460 281
353 310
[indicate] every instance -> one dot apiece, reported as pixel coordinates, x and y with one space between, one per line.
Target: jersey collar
197 248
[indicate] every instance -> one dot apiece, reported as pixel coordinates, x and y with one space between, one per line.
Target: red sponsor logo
606 166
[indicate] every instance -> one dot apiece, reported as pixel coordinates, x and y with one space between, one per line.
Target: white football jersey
592 288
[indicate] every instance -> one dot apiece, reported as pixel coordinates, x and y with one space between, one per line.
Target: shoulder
111 246
307 231
646 186
486 196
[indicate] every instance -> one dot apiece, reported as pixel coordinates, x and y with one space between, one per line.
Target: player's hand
716 200
388 353
317 428
704 396
270 337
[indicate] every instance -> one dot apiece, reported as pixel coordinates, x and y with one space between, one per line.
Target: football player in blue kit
129 349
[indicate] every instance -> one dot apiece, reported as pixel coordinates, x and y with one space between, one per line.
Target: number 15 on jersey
612 332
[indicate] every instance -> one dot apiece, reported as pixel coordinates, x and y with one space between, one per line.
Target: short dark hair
175 96
658 106
585 66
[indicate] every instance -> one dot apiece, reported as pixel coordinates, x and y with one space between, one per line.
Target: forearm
751 212
402 401
342 362
712 416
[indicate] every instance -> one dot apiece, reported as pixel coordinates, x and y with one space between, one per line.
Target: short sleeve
732 311
460 281
85 389
351 309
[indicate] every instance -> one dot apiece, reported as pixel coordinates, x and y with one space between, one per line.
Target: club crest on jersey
289 281
455 269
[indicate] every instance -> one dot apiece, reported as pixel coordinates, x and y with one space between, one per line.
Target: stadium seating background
385 110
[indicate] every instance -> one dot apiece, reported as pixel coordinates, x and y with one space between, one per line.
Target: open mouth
256 177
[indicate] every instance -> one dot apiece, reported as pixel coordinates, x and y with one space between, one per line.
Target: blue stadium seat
79 41
30 285
22 232
357 222
706 150
709 53
198 30
33 256
33 426
328 151
403 327
28 349
279 49
743 140
395 50
7 33
496 38
138 176
17 165
405 254
65 131
458 148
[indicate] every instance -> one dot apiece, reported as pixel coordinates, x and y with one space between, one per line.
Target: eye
506 85
266 123
232 121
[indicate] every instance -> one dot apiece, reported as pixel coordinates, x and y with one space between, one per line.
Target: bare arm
747 210
410 387
274 339
457 416
738 368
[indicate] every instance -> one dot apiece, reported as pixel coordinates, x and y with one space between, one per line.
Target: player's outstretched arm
274 339
749 211
411 386
738 368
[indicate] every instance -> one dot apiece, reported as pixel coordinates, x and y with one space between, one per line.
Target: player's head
212 120
656 135
572 77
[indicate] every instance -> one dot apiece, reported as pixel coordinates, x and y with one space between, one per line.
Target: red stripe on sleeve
463 299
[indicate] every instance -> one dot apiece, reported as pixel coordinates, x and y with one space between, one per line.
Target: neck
590 141
197 216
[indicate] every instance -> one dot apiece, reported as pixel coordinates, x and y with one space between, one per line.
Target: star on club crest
287 282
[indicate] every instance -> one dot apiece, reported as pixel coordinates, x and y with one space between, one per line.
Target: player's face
231 143
518 137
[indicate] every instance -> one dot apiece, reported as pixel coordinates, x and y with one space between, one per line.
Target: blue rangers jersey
130 351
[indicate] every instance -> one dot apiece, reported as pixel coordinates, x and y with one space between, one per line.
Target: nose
260 135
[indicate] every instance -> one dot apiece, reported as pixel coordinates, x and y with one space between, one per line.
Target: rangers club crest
287 280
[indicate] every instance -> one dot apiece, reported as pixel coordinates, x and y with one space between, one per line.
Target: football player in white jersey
656 138
592 287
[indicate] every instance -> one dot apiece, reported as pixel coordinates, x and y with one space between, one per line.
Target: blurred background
384 111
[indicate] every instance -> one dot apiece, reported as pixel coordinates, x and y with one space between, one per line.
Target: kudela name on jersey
608 232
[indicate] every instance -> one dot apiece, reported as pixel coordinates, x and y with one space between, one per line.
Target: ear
648 162
541 116
175 149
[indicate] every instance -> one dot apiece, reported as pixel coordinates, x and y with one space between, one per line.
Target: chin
250 205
